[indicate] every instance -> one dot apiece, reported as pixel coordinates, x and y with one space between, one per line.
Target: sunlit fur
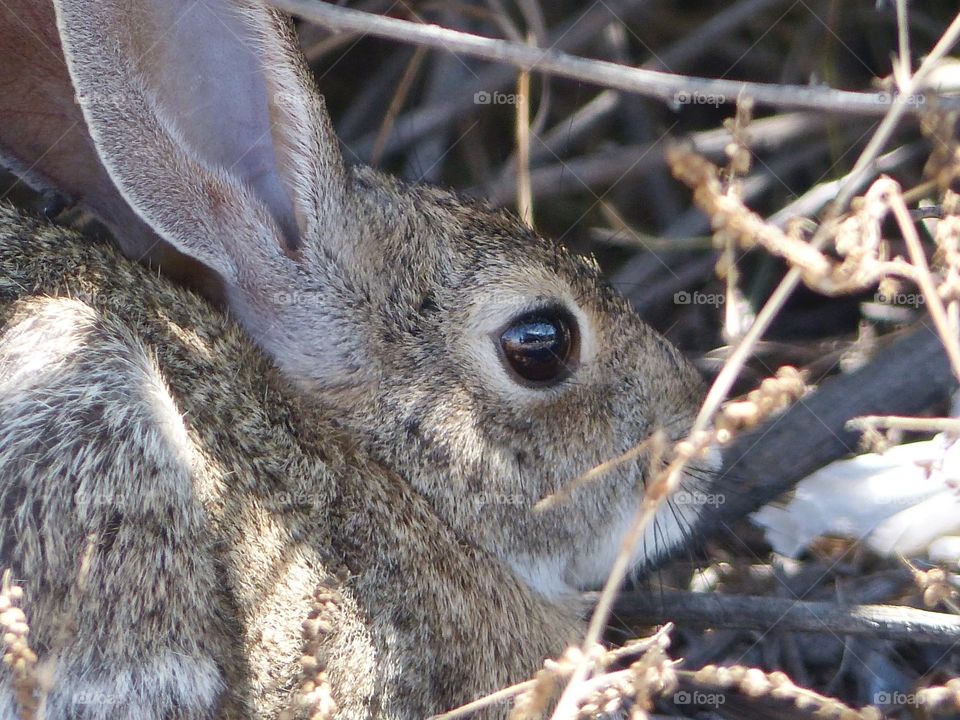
141 430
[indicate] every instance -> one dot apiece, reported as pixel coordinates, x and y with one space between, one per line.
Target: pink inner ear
199 61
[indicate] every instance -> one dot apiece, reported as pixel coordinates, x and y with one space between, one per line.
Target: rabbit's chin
589 566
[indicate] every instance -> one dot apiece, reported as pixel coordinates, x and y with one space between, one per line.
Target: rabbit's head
501 368
486 365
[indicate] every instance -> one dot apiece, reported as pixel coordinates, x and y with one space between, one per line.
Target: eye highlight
540 346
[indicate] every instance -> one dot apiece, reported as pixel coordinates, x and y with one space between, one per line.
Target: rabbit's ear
206 123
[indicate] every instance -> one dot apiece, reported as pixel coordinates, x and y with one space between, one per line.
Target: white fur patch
543 574
162 687
590 566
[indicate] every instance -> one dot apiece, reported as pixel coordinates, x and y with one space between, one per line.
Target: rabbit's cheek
545 575
590 565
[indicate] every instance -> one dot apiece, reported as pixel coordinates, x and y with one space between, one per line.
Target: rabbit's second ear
43 138
207 125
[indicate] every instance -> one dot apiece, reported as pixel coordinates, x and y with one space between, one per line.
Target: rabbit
323 491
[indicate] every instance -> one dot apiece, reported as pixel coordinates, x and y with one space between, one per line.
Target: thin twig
897 110
595 472
910 424
903 40
720 23
486 701
814 199
923 277
572 35
610 165
657 489
852 182
567 131
524 193
399 98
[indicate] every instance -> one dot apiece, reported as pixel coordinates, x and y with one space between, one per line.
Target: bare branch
651 83
886 622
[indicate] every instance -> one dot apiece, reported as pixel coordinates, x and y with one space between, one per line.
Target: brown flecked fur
274 500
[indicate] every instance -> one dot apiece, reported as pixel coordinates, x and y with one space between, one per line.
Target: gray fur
177 508
139 422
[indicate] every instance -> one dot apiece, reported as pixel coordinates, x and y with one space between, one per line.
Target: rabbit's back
185 529
119 496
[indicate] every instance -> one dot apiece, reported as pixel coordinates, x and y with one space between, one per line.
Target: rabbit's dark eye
539 346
